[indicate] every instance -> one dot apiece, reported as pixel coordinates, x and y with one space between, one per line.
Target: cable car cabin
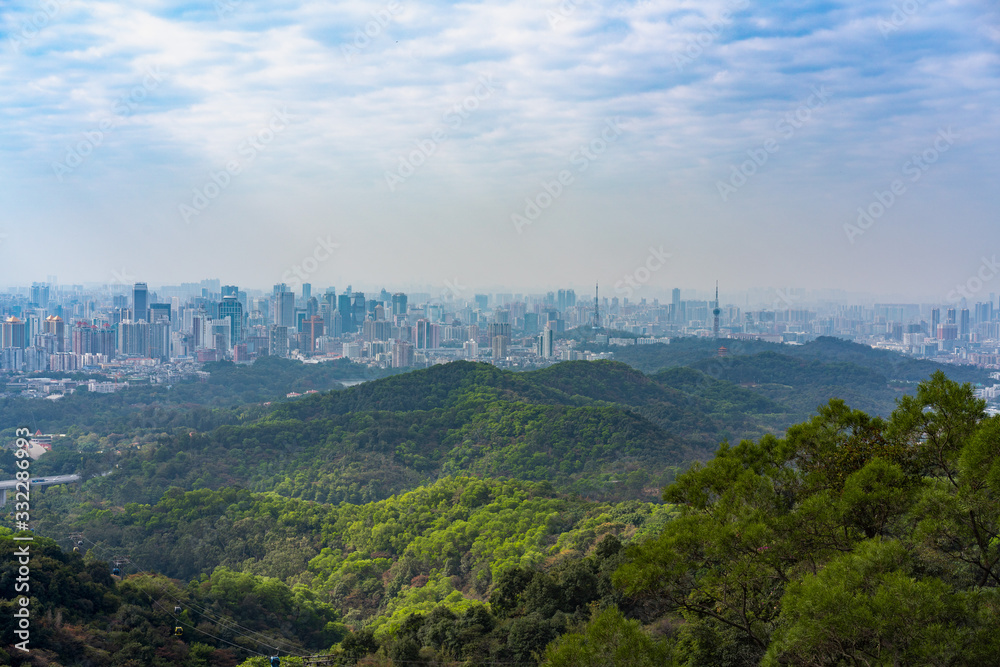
76 550
116 572
178 631
275 661
177 610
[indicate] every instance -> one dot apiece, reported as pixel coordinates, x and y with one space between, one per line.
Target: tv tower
597 311
716 311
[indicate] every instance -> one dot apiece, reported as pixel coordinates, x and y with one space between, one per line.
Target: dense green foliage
458 534
465 569
853 540
81 615
688 351
800 378
465 515
383 437
202 403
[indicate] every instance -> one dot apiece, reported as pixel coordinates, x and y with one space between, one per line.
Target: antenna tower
715 312
597 310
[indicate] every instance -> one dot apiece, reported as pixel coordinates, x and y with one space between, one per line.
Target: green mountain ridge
466 514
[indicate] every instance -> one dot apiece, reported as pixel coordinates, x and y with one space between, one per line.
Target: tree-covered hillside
499 567
850 540
80 614
800 378
376 439
225 396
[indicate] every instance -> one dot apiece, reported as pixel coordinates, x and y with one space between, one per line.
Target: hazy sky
532 144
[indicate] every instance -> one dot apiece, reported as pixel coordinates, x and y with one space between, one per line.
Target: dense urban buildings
54 327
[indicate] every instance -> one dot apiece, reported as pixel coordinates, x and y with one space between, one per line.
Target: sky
504 144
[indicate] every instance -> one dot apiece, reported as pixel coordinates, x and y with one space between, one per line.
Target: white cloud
688 120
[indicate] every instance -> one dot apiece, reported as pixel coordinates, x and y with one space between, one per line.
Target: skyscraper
284 311
500 345
158 311
140 302
346 313
359 308
54 325
422 334
279 341
233 309
984 311
133 339
565 298
546 341
13 334
402 355
159 340
398 304
313 329
530 323
327 305
40 295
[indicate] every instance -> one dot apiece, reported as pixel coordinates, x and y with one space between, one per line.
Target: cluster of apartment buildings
49 329
132 330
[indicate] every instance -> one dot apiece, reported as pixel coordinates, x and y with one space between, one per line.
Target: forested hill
603 429
225 396
390 435
446 385
894 366
873 541
800 378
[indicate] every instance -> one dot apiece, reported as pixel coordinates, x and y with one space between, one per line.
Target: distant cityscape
130 333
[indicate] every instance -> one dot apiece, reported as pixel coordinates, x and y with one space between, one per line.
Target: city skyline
823 145
776 298
49 328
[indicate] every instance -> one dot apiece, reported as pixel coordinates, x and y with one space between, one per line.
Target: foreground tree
853 540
